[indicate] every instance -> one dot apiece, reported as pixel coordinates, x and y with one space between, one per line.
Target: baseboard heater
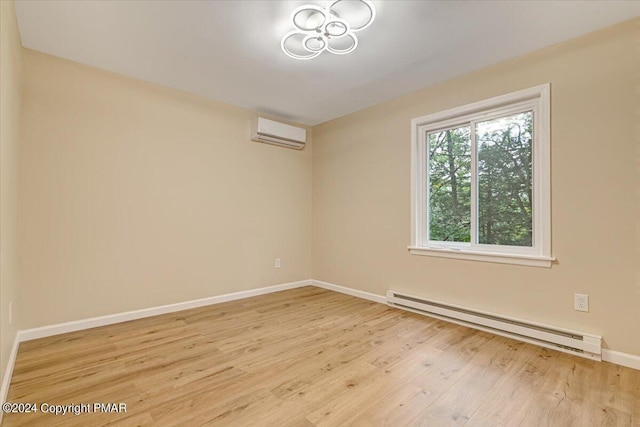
578 343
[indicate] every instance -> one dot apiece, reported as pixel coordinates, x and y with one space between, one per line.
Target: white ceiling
230 50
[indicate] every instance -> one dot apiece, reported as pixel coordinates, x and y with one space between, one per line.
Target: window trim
536 99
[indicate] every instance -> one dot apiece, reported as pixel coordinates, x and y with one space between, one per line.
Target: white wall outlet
277 262
10 313
581 302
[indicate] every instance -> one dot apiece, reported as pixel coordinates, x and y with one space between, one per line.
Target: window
481 181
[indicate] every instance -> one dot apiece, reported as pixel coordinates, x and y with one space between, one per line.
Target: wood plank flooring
311 357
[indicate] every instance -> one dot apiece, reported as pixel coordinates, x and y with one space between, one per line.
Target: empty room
319 213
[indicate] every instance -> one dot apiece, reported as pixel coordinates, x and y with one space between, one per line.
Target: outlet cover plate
581 302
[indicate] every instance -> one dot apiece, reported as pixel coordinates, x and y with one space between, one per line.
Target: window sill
515 259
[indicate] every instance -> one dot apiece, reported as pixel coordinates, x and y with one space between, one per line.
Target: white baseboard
6 380
94 322
349 291
619 358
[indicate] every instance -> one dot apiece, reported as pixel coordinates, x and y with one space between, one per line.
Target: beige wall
134 195
10 87
361 184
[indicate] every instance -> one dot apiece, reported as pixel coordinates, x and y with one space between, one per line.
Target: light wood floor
311 357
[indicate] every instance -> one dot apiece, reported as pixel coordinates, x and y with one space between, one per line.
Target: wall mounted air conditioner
276 133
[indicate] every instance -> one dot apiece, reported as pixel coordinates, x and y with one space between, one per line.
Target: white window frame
534 99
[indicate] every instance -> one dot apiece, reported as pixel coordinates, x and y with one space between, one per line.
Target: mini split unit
276 133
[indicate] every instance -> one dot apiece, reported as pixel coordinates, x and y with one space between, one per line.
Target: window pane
505 180
450 185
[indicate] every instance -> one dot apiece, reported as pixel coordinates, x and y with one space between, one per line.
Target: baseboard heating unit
578 343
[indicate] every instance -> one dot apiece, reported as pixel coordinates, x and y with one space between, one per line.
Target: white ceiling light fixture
332 29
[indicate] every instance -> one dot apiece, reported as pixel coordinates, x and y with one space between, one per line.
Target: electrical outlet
10 313
581 302
277 262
